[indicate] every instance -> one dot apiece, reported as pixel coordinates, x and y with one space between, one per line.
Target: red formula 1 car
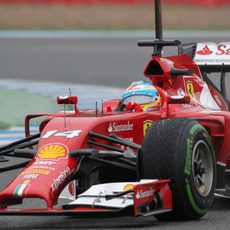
121 159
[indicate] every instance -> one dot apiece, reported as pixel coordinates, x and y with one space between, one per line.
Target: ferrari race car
167 162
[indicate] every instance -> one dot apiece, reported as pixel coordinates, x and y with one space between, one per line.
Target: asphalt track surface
114 61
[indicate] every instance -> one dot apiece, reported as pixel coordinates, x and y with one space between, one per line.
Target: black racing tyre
180 149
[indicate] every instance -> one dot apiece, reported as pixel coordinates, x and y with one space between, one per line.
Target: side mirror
66 100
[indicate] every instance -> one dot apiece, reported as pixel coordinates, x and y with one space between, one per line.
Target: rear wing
209 56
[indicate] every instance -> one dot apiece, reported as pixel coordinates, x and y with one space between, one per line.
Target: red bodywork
52 169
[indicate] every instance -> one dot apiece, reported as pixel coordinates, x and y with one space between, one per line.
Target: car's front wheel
181 150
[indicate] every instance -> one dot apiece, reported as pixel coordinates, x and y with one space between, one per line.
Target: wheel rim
202 168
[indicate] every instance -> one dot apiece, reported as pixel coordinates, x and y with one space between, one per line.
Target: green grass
4 125
16 104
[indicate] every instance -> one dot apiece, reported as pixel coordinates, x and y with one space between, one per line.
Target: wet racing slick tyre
180 149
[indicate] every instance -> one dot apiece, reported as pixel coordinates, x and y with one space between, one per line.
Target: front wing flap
147 197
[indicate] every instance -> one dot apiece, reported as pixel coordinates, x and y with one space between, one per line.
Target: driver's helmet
142 93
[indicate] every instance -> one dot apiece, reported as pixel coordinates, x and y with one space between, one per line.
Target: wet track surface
99 61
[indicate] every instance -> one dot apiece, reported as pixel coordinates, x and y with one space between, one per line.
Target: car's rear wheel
181 150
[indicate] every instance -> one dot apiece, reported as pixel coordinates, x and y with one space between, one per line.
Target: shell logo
128 187
53 152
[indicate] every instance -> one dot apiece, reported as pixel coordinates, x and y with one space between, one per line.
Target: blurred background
51 47
112 14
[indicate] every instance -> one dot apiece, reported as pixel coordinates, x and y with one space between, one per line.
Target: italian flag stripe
19 189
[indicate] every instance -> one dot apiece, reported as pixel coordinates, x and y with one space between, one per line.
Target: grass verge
16 104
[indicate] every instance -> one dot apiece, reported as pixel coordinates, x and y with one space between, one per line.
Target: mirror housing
68 100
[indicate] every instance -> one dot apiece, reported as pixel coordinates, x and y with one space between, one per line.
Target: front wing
144 198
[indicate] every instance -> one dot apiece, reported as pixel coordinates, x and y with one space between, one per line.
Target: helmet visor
139 99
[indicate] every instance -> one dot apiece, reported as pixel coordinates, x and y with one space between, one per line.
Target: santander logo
205 51
114 127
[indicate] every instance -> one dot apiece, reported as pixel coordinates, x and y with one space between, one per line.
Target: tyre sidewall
194 133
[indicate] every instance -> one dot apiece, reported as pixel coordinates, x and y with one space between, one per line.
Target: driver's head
142 93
